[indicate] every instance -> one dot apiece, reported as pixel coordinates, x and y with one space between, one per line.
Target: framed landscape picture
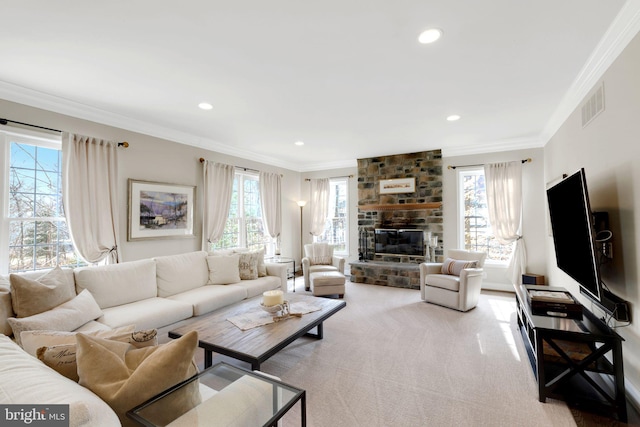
400 185
160 211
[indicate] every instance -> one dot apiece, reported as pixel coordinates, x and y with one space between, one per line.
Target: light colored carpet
390 359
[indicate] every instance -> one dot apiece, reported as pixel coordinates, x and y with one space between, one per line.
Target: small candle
270 298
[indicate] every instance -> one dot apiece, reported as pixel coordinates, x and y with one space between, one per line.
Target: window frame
461 172
239 178
8 135
332 183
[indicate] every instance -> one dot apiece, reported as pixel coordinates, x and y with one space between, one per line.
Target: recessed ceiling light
299 143
429 36
453 117
205 106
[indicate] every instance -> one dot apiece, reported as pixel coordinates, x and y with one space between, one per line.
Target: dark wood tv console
578 361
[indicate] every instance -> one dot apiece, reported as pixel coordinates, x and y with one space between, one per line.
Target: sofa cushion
146 314
65 317
31 297
6 307
455 267
117 284
125 377
211 297
444 281
179 273
25 380
223 269
258 286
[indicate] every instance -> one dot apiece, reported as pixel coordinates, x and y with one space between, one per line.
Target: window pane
46 182
23 156
478 235
336 228
48 160
21 205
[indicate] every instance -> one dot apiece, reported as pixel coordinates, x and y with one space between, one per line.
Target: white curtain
270 203
319 205
90 196
504 200
217 189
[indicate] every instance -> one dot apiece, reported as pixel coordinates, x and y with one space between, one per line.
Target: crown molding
621 31
42 100
493 147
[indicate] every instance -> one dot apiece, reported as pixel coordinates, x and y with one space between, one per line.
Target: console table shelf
575 360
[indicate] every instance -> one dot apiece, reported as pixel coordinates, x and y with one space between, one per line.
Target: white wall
533 222
609 150
154 159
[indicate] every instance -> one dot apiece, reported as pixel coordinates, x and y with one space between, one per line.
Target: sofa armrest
470 287
278 270
306 263
338 262
427 268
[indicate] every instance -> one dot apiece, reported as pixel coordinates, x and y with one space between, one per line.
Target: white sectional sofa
150 293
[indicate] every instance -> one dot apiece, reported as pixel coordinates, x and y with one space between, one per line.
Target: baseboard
492 286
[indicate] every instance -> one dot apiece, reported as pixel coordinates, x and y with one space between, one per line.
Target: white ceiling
347 77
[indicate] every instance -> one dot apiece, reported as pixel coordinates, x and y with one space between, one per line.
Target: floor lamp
301 203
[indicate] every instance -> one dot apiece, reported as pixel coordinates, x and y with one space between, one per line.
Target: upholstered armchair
319 257
456 283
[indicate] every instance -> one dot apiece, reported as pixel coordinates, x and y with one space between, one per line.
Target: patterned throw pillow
248 265
455 267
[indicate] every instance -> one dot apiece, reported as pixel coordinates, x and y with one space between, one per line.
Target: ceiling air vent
593 106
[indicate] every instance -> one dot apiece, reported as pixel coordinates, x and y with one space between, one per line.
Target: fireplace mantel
400 206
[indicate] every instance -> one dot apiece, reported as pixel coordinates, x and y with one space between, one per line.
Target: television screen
399 241
574 233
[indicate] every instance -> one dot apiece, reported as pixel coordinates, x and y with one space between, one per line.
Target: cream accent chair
460 292
318 258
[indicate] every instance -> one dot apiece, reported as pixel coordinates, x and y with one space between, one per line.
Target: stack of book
554 303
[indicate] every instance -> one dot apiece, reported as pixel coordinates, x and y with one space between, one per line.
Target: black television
399 241
574 235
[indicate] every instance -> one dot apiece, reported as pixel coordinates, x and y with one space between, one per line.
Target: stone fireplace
378 207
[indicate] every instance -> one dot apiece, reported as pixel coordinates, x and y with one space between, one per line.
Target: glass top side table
285 260
230 397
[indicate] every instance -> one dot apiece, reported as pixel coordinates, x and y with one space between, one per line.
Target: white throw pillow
118 284
223 270
65 317
180 273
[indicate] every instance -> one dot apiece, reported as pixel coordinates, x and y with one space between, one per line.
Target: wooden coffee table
217 334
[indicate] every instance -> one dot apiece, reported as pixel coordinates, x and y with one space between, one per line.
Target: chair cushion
444 281
182 272
320 267
455 267
327 278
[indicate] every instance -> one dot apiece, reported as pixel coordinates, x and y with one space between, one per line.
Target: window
336 230
34 230
475 229
244 227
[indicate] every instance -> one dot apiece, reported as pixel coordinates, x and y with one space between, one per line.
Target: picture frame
399 185
160 210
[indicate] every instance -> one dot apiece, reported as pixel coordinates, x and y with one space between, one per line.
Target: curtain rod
333 177
238 167
528 160
124 144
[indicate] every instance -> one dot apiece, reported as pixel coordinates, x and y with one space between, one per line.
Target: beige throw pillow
65 317
62 357
455 267
31 297
125 377
223 270
33 340
6 307
248 266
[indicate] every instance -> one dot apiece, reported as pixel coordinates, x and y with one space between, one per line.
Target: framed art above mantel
160 211
399 185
